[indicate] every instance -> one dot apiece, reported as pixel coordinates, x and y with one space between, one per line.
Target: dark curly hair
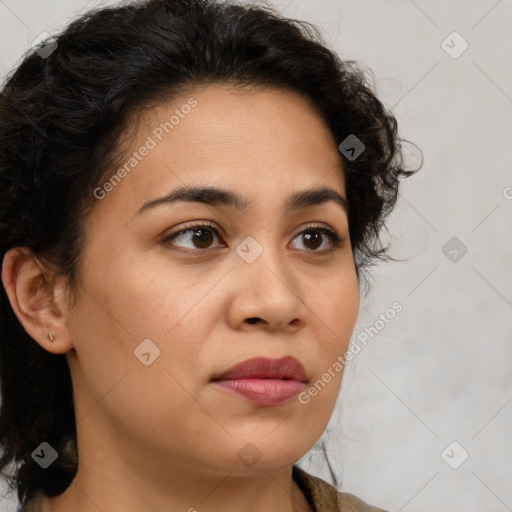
63 115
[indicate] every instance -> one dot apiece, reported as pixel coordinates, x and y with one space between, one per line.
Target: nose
267 293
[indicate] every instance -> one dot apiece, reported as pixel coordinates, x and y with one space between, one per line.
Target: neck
271 491
123 480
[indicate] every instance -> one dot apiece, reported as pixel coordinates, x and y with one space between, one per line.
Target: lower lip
263 391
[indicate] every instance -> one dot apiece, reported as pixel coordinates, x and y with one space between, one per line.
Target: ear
37 298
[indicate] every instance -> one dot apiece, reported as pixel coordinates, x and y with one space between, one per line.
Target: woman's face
271 283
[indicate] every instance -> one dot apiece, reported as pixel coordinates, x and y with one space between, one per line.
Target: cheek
144 298
132 301
334 307
344 311
117 315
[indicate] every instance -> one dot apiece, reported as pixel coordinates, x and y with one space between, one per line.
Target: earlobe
35 299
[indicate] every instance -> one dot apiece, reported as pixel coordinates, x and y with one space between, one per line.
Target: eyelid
317 225
190 226
195 224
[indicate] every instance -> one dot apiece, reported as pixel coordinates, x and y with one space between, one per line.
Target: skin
163 437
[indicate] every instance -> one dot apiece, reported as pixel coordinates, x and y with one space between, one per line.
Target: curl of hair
62 122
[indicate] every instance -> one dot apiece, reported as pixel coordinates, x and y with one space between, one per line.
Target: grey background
440 371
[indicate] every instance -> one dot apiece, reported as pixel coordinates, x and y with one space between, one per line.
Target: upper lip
264 368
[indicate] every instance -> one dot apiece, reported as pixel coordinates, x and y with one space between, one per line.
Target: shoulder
326 498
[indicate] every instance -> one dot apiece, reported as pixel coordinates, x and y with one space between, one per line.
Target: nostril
253 320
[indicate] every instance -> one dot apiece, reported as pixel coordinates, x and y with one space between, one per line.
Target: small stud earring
50 335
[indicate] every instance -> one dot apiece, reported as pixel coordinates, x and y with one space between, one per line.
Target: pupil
203 236
315 238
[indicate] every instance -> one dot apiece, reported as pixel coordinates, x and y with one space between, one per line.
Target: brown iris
314 238
203 236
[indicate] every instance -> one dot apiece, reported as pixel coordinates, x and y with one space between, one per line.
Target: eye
198 236
202 235
315 236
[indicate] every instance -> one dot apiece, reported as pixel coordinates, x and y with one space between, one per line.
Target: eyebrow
215 196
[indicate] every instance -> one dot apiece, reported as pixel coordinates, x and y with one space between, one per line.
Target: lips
263 368
264 382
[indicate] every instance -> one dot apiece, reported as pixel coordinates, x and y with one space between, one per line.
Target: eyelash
335 239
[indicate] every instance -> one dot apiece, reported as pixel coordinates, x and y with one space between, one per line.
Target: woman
190 192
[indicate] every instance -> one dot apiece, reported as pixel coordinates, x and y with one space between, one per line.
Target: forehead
246 138
235 119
